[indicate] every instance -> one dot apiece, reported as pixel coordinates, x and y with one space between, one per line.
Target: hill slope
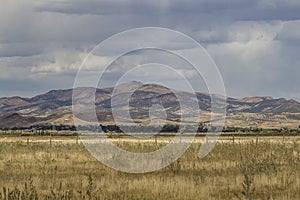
54 107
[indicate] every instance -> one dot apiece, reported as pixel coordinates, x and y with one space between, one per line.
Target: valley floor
66 170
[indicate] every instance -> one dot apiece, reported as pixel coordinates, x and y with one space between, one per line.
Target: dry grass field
66 170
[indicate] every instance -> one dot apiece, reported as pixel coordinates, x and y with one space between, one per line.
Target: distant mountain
16 120
263 105
55 107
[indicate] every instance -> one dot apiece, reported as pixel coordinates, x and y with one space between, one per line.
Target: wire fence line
164 138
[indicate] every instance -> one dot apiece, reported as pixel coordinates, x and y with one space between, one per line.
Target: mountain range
55 107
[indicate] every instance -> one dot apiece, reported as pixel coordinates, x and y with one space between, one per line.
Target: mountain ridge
55 106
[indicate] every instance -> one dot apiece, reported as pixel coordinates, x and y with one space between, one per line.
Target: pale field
268 169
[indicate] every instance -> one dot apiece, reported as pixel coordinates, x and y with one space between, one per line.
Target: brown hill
55 107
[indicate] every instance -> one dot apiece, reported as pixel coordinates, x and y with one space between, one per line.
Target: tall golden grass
231 171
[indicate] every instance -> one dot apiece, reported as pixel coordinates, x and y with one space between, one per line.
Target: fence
233 138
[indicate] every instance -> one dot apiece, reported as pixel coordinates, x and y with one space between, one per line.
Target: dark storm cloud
234 9
98 7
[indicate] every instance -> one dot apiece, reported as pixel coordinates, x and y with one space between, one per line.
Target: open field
66 170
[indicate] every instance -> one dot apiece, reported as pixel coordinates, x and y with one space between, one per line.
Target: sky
255 44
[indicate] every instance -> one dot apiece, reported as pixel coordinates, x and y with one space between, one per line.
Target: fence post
233 139
256 139
77 138
180 138
27 141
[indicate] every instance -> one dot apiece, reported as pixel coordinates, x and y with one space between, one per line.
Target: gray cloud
290 31
255 43
233 9
20 49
